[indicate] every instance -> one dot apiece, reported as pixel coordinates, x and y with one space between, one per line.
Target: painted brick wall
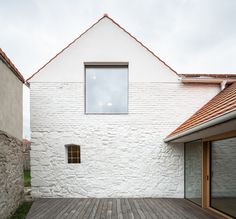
121 155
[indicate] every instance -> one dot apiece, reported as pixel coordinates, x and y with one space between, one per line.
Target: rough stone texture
121 155
11 172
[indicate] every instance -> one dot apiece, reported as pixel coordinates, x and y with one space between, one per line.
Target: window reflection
106 89
223 173
193 171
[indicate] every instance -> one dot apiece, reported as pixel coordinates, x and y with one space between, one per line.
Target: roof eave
216 75
215 121
10 65
209 80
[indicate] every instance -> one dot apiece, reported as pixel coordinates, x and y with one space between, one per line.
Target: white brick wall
121 155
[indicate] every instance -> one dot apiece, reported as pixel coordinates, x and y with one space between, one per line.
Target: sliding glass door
217 176
193 171
223 176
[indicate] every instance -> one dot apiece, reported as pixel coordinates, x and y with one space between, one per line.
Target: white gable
105 42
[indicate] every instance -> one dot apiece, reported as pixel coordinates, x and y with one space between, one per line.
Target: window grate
73 152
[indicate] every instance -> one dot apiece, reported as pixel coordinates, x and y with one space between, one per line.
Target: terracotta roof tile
4 57
222 103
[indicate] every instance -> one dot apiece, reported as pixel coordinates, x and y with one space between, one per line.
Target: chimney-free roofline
220 119
104 16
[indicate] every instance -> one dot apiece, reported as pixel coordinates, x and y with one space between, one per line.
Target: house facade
100 111
11 123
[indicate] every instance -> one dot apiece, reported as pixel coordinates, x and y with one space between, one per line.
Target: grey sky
189 35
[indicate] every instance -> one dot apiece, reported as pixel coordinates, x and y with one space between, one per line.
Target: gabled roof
8 62
105 16
223 103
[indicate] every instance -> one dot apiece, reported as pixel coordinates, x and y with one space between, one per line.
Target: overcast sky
191 36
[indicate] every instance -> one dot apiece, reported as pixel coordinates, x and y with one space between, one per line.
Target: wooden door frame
205 174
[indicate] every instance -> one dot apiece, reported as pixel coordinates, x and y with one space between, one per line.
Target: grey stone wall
11 174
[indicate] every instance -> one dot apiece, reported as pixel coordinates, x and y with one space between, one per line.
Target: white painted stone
121 155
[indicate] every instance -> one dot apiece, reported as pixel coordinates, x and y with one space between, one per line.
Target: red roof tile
4 57
105 15
222 103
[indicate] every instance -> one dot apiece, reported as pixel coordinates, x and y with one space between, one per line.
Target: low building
11 125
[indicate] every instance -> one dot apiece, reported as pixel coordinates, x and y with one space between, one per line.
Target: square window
106 89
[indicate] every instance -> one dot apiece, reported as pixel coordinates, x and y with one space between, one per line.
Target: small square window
73 153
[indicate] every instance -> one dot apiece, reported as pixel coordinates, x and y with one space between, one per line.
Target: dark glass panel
223 175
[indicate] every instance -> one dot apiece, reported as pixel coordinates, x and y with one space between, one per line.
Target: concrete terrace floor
122 208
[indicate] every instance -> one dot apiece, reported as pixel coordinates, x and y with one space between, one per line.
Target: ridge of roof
5 58
104 16
222 103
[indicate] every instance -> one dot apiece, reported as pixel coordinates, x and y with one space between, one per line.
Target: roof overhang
218 125
207 80
11 66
